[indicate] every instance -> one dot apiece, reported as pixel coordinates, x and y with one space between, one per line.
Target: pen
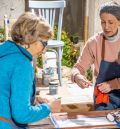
54 122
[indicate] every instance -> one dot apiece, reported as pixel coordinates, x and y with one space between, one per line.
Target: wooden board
80 120
83 120
42 124
73 98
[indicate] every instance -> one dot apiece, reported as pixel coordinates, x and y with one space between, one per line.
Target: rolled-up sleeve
84 61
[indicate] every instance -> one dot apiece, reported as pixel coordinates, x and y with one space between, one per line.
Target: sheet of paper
41 122
76 90
83 121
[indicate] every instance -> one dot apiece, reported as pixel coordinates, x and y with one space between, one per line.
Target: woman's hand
39 100
104 87
55 105
82 81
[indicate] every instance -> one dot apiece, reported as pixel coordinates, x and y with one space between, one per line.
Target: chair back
48 10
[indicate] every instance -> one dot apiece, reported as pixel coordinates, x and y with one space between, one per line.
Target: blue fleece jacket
17 86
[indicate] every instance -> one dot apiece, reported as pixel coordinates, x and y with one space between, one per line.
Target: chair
48 10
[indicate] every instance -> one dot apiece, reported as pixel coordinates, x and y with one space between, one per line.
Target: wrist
75 76
113 84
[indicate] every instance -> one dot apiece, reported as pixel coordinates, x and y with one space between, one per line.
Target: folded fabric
101 97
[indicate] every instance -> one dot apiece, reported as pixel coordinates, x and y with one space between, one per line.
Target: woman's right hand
55 105
82 81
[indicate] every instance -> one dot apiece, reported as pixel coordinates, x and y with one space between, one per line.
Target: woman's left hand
39 100
104 87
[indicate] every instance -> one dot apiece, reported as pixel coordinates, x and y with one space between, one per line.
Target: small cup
57 107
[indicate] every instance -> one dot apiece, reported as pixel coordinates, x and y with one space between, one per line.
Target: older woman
103 50
17 83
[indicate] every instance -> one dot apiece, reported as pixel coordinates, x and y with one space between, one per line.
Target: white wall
11 8
91 17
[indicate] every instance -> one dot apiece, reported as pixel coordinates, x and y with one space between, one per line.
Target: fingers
85 84
89 83
82 82
104 87
41 100
105 90
35 102
44 100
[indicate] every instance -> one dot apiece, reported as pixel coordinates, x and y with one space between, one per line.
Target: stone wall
11 8
73 20
73 15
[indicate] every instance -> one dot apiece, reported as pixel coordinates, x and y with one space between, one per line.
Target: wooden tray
82 120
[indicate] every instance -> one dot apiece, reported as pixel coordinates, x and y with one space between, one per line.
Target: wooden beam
26 5
86 25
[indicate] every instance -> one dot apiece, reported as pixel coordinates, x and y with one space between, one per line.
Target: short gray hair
30 28
111 8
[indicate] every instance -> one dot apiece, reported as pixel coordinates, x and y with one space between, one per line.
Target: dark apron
108 71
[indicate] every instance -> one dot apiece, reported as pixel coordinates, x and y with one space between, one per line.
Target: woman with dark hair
103 50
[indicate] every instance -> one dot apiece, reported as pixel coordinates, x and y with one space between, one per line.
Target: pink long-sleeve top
91 54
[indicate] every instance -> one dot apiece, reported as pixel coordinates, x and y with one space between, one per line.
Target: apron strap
103 48
4 119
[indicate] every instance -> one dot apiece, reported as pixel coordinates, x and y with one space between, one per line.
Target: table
97 119
73 98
